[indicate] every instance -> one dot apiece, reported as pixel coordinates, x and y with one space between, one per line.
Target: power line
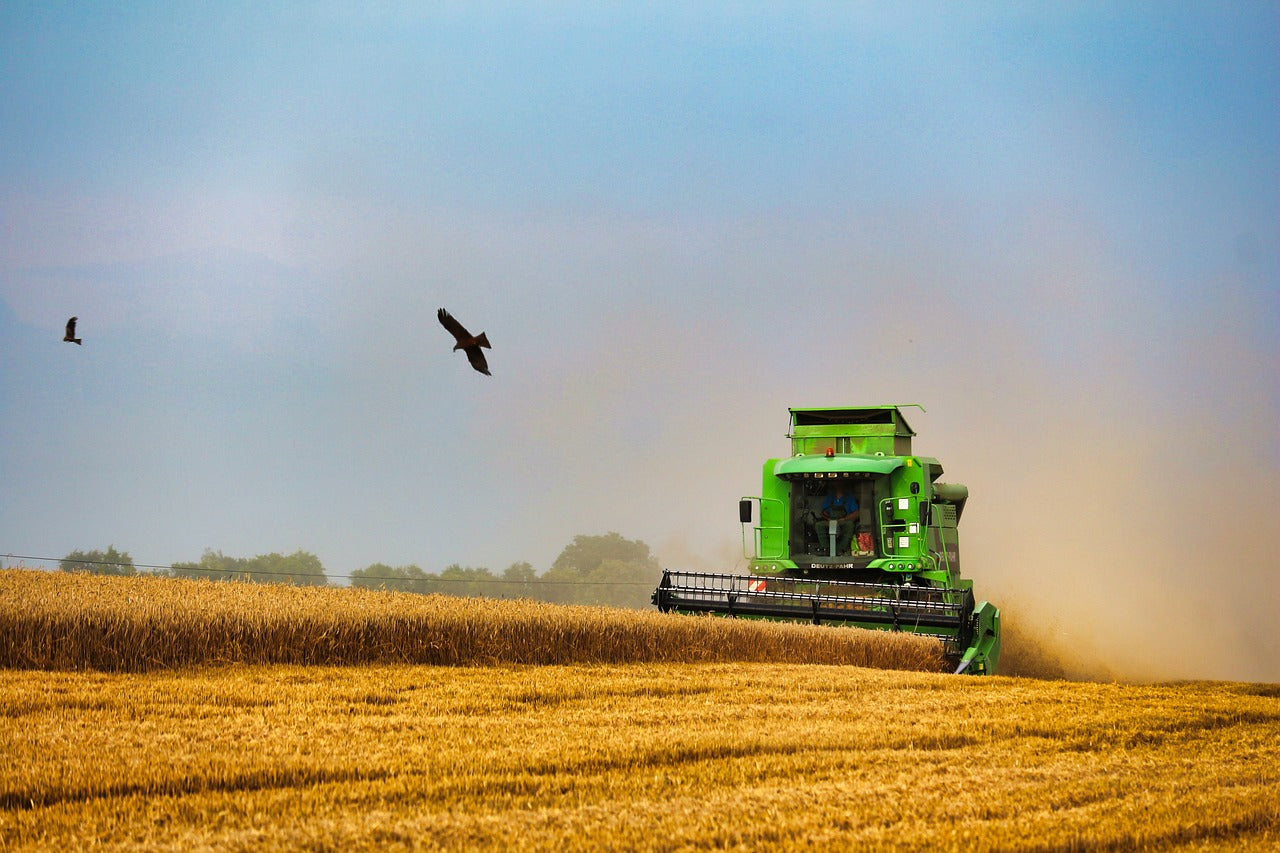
196 570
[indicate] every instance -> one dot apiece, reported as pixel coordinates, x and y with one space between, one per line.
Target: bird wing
476 357
71 328
455 328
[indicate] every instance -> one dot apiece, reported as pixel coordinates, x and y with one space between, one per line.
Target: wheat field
56 620
626 755
630 757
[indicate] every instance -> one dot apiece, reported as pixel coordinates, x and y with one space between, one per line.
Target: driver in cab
841 507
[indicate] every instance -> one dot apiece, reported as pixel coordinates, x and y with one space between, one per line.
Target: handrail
759 528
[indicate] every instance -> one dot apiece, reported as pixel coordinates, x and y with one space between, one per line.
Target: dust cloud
1129 549
1123 478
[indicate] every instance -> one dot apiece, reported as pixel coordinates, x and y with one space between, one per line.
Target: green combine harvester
856 530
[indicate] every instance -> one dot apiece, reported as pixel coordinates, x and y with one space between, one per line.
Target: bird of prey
70 336
465 342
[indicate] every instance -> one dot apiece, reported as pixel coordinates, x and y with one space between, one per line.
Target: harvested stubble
60 621
664 756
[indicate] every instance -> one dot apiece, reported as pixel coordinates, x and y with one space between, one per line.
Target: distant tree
381 576
299 567
466 581
621 583
606 569
585 553
213 566
108 562
519 581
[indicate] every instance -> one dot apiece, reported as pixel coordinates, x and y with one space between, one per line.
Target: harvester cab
853 528
889 526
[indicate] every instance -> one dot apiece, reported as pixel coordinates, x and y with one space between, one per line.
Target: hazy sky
1054 226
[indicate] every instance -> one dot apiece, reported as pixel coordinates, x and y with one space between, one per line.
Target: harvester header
853 529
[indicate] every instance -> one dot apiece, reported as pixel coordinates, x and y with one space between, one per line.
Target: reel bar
897 607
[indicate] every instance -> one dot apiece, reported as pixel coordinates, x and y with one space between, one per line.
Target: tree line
606 570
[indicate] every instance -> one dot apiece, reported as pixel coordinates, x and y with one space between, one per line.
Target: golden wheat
638 756
54 620
608 753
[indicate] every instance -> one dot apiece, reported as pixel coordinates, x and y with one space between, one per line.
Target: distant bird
465 342
70 336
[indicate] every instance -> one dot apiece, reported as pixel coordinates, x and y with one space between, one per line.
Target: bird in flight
465 342
70 336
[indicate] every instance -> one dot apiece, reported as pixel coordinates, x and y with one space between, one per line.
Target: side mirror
744 511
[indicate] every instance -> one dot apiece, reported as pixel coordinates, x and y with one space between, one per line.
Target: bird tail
483 341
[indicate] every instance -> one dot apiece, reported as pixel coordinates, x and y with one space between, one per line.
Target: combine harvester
892 563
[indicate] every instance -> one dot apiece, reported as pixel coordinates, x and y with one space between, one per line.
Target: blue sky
1055 227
